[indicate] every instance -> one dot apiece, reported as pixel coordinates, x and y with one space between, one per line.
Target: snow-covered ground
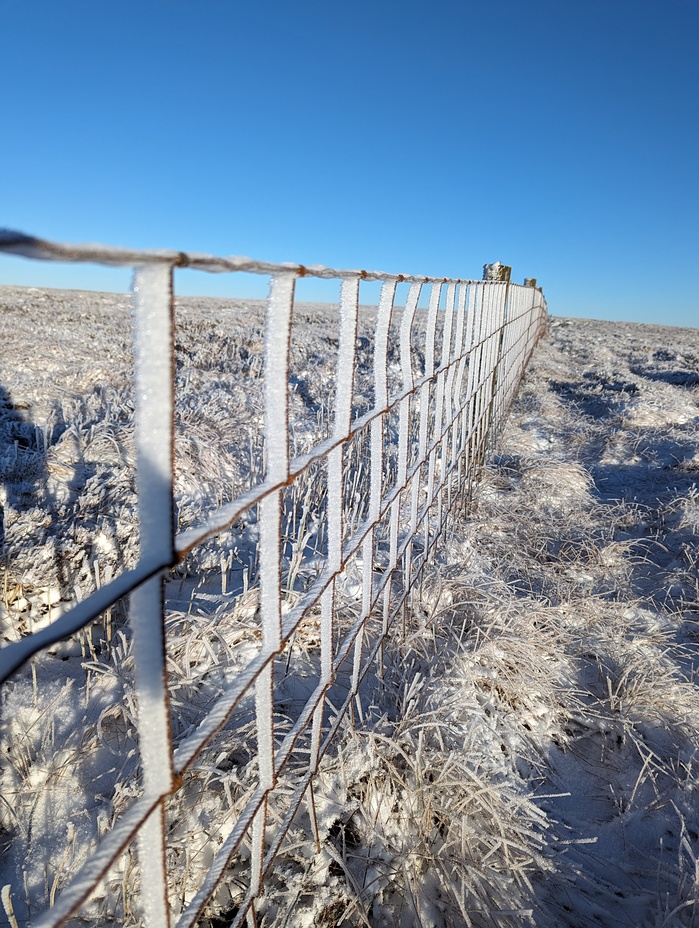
530 755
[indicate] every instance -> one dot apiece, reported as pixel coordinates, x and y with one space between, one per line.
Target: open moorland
530 756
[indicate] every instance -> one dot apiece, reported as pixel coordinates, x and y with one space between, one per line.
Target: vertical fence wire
475 351
154 344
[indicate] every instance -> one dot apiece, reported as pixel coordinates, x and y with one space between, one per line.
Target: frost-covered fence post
497 271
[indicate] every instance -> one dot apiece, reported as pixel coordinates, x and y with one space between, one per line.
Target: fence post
497 271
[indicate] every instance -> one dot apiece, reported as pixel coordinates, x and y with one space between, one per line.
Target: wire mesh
408 430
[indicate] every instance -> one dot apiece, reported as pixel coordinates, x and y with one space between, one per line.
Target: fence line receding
401 448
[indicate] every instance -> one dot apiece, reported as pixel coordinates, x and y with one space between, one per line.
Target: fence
440 383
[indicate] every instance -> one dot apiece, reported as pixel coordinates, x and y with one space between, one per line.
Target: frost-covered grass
528 757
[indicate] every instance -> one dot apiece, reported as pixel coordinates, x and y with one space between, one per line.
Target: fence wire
401 449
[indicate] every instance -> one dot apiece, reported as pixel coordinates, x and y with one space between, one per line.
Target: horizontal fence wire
401 449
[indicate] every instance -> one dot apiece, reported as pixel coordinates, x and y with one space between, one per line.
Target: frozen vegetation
529 757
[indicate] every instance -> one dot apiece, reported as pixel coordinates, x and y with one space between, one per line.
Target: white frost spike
152 289
383 322
349 299
277 336
154 442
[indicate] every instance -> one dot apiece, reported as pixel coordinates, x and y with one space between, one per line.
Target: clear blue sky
558 136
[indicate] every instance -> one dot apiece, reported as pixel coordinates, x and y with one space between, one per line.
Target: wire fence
401 450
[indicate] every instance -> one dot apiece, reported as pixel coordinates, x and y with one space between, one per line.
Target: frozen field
529 758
